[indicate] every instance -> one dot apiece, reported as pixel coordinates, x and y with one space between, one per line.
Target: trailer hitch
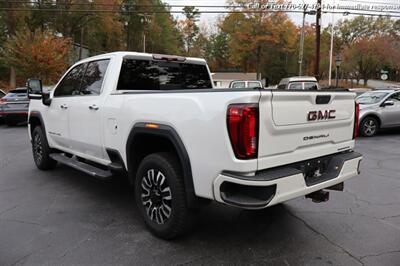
319 196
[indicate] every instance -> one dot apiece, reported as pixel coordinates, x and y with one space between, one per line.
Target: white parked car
299 83
181 142
240 84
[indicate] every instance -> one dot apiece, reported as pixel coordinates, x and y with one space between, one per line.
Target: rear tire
41 150
160 195
369 127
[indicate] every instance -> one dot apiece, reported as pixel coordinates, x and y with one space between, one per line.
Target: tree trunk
12 78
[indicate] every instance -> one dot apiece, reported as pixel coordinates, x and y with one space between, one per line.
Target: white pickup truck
182 142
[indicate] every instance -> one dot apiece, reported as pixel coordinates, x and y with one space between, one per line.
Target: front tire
369 127
41 150
160 195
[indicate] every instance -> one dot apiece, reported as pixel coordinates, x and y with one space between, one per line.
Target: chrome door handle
64 106
93 107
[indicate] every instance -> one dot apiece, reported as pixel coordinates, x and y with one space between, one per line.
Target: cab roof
298 78
147 56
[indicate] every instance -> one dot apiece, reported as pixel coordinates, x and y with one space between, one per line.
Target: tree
10 22
162 35
365 57
189 28
361 27
261 42
217 51
39 54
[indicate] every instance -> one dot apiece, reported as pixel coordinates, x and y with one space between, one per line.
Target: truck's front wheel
160 195
41 150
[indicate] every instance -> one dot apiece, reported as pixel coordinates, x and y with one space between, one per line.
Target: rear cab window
310 86
295 86
239 84
138 74
253 84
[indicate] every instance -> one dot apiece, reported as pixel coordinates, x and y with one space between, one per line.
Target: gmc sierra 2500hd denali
181 141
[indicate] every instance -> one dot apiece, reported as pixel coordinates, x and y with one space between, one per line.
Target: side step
81 166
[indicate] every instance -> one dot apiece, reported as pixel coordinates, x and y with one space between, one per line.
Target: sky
211 19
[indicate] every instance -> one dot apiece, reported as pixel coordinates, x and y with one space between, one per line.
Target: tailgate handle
323 99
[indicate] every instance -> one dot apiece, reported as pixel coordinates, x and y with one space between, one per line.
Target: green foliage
189 29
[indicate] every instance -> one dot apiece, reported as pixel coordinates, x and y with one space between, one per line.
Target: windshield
371 97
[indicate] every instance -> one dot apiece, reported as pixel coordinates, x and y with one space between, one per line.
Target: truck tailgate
300 125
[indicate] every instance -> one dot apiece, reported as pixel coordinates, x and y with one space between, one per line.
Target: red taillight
356 120
242 122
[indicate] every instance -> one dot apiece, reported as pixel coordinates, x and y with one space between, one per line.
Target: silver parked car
379 109
14 106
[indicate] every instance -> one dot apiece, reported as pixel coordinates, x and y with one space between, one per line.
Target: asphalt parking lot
63 217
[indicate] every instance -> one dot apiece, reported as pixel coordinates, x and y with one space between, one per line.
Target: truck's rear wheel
160 195
41 150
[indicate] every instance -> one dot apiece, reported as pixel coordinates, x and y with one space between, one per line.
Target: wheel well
143 141
373 116
34 122
145 144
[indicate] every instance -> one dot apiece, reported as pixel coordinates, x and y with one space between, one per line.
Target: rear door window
162 75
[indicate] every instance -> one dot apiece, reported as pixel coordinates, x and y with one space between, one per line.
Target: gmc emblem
321 115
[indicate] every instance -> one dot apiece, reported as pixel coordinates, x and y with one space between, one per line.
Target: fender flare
170 134
38 115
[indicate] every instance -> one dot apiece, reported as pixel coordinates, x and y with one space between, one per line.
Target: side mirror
388 103
34 87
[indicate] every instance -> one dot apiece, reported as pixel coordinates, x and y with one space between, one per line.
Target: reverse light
242 122
356 120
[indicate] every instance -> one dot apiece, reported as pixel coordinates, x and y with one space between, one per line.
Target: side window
296 86
93 78
396 98
71 83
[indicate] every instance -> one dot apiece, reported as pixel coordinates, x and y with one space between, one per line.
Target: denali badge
315 137
321 115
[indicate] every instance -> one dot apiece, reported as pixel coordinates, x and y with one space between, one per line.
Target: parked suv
182 142
14 107
379 109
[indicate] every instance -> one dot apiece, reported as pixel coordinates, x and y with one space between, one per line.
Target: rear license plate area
316 171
